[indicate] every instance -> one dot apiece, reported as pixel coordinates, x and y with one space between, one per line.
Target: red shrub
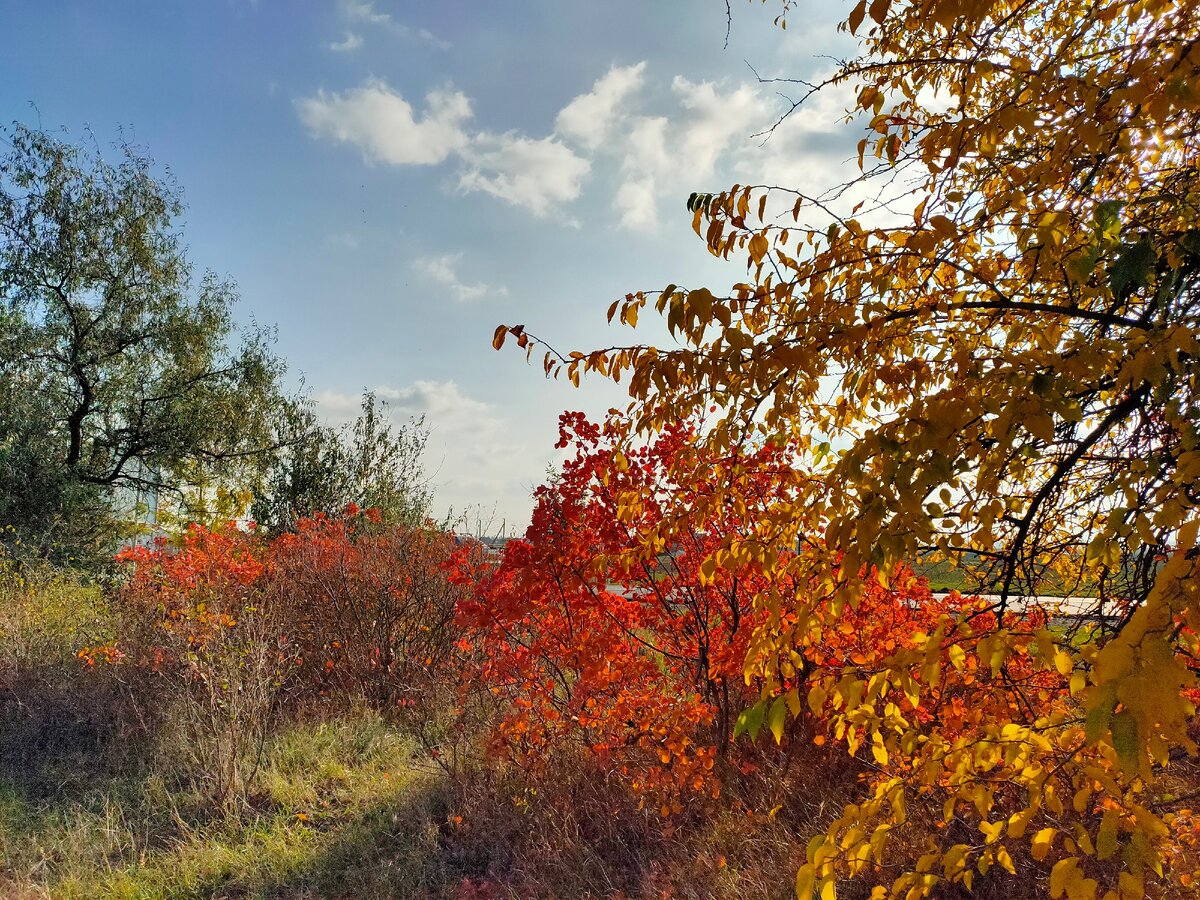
596 635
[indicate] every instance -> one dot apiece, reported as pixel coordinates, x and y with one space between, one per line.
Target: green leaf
1125 739
1132 268
1081 265
1100 710
777 718
1108 219
751 720
1106 838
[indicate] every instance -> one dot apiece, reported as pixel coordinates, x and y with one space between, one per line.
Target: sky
387 181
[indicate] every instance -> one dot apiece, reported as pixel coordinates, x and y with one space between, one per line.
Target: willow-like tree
1004 372
117 369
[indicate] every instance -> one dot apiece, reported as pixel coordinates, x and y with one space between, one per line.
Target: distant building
492 547
135 503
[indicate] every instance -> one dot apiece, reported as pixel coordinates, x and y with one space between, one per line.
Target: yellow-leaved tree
987 344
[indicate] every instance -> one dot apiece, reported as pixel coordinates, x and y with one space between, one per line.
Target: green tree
370 463
118 369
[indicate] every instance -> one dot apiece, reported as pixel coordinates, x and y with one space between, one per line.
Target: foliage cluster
118 368
129 395
984 345
606 644
597 634
370 463
236 629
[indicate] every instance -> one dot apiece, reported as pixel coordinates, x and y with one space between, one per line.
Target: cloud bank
648 142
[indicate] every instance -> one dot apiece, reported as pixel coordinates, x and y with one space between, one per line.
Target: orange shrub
370 608
594 636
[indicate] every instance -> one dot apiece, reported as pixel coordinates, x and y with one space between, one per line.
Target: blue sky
387 181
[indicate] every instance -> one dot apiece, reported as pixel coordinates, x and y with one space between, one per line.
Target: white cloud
814 151
381 123
590 117
443 270
432 39
646 160
342 240
474 457
364 11
699 137
717 122
534 173
439 399
680 153
636 201
336 407
351 41
646 147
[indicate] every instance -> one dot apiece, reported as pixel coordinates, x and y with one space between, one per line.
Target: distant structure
135 504
492 547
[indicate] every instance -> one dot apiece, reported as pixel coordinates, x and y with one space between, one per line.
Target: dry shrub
574 829
211 652
54 725
231 632
370 608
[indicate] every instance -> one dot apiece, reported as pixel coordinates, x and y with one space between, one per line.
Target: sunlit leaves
984 346
341 607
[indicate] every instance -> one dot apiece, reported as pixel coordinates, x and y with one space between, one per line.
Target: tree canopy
370 463
983 345
117 367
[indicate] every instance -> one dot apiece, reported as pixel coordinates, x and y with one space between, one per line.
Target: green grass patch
341 809
944 576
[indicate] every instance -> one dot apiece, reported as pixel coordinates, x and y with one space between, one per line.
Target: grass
343 810
95 803
944 576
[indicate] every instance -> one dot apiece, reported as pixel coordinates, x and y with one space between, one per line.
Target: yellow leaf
1064 871
1078 682
777 718
792 698
806 881
816 698
878 750
856 16
1131 886
1186 539
758 247
1040 846
1106 837
1005 861
957 656
944 226
1063 663
1041 426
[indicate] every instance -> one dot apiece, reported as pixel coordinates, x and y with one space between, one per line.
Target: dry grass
99 798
